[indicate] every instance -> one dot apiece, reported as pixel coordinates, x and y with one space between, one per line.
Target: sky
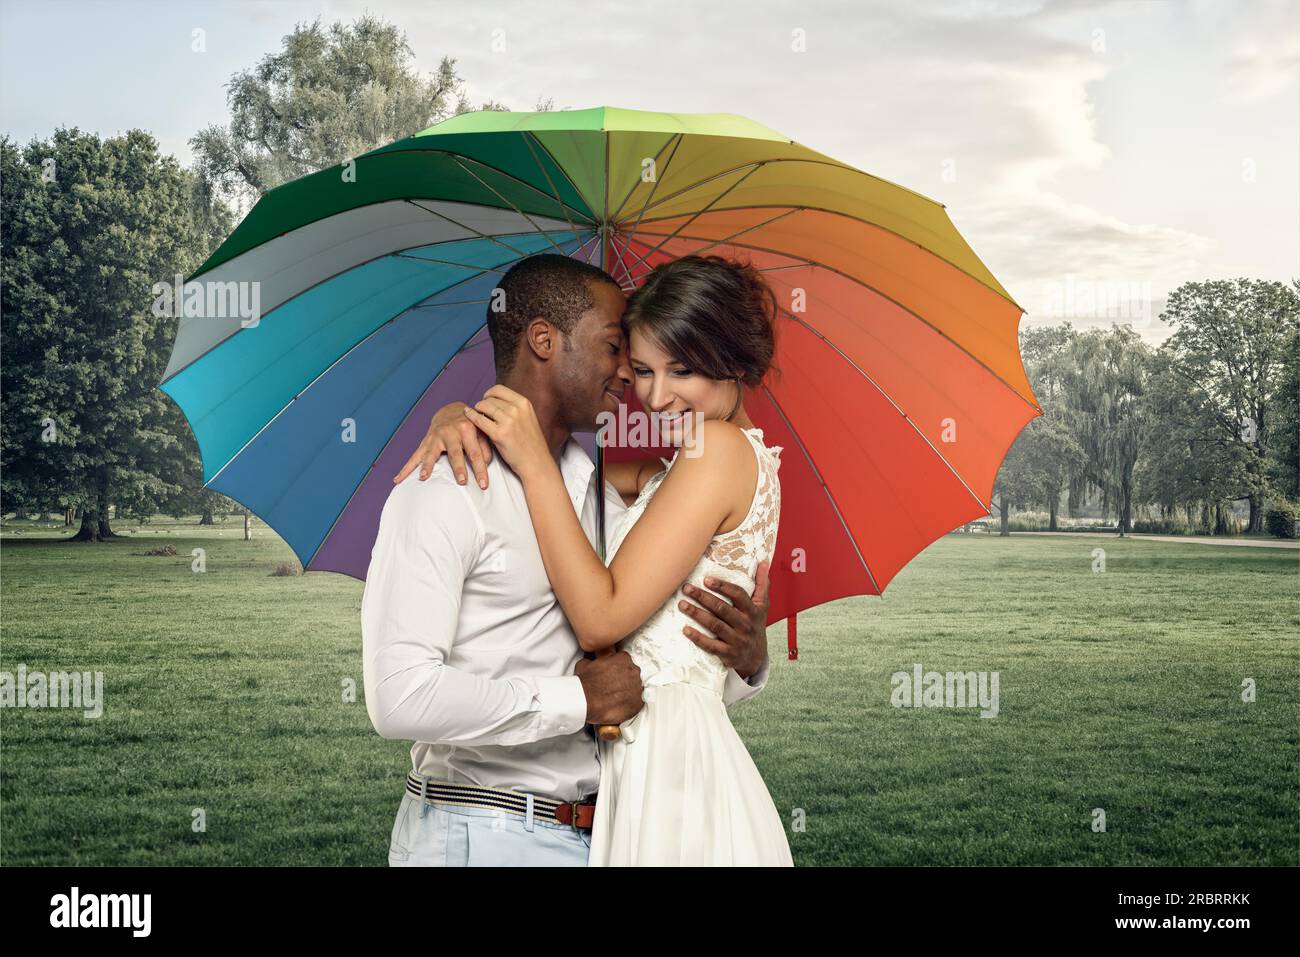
1095 155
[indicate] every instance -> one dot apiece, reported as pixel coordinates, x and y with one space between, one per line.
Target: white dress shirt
465 648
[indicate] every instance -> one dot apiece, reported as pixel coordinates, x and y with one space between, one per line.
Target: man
466 649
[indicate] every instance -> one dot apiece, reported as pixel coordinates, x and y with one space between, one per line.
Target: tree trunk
94 518
206 517
248 526
1256 523
68 515
1005 507
1054 504
1220 520
20 513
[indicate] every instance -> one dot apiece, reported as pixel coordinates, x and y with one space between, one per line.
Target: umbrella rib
332 276
443 262
565 173
549 182
728 239
865 285
825 488
858 219
862 372
524 183
366 338
676 142
696 215
518 252
380 454
773 161
631 282
511 176
511 205
583 246
658 179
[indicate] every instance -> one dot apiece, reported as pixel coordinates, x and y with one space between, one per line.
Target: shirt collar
576 468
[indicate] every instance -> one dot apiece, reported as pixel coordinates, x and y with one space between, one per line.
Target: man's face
591 368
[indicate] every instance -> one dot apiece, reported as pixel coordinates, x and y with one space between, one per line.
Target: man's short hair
548 285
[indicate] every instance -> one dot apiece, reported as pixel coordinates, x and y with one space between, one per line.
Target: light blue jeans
447 835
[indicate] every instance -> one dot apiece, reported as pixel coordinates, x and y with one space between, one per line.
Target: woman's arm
698 496
452 434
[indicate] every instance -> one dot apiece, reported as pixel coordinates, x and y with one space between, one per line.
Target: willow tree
1105 387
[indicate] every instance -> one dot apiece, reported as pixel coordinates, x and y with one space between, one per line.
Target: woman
678 787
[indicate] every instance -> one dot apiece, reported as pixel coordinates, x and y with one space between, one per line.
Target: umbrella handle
608 732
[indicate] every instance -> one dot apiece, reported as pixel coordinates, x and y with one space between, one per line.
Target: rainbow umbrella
900 387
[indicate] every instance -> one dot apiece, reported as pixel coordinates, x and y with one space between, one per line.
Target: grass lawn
1119 690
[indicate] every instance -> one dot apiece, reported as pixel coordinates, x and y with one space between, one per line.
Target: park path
1184 539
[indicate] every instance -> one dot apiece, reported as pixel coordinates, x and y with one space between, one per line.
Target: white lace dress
679 787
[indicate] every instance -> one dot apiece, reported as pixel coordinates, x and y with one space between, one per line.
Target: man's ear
542 338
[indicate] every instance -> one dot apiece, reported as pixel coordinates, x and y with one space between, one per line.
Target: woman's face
668 389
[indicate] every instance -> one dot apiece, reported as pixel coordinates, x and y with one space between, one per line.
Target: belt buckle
573 814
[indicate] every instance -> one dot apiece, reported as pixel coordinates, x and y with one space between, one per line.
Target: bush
287 570
1280 519
162 550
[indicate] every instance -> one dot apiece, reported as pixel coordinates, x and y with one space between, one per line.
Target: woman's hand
451 432
511 423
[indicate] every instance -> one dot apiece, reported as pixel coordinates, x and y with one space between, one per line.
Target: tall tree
328 96
90 227
1228 349
1182 465
1284 420
1105 386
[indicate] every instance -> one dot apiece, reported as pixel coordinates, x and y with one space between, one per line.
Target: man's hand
612 684
456 435
740 627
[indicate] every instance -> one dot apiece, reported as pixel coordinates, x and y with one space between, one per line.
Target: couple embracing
483 596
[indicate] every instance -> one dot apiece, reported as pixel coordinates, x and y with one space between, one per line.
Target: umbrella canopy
900 385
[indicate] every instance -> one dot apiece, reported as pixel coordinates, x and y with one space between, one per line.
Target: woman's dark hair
715 316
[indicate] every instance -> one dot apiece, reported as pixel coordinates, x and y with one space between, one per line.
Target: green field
1120 690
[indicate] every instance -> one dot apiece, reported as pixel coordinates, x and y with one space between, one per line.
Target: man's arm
738 688
430 538
739 626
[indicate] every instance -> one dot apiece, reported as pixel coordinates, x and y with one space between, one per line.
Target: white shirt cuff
564 703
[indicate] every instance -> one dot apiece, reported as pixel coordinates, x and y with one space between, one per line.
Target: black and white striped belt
573 813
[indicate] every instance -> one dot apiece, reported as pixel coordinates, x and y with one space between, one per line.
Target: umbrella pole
606 732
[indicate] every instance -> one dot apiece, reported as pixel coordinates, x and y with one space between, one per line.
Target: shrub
162 550
1280 519
287 570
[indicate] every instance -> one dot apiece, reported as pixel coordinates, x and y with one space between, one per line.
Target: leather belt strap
579 816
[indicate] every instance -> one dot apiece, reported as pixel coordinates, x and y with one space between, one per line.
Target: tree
1036 468
90 227
1228 349
1182 465
1284 421
1105 385
328 96
1057 457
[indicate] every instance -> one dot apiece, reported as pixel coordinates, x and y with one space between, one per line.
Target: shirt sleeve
738 688
430 538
